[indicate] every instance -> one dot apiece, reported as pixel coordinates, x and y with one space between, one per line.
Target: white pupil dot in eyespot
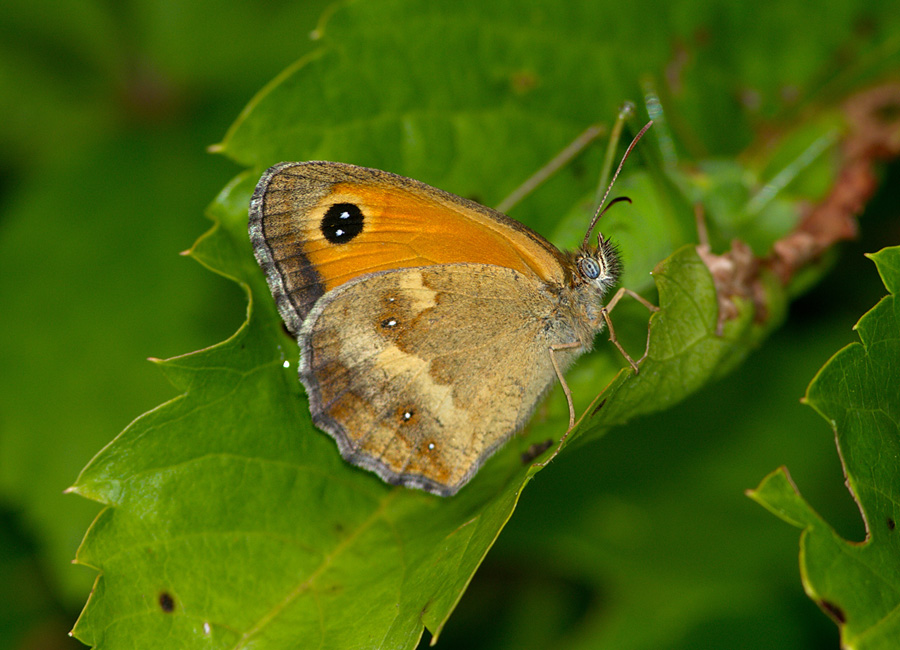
392 323
431 445
407 415
339 232
345 215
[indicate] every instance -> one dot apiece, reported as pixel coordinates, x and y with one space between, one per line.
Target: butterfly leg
607 309
562 380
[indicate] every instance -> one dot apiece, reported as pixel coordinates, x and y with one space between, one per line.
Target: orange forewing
410 225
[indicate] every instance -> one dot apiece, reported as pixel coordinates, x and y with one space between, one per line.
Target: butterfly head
598 267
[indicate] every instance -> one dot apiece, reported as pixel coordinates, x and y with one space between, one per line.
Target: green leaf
230 483
858 393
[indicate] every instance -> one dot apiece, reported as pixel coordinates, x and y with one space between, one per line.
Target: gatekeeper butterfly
429 326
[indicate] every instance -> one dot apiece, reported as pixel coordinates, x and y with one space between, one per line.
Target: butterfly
429 326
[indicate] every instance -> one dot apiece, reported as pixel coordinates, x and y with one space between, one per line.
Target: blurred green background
104 177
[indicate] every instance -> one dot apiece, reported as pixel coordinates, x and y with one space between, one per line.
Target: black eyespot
342 223
589 268
389 323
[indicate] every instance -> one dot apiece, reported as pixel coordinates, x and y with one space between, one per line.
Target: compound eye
589 268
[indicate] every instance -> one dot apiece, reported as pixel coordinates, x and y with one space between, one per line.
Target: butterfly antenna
601 208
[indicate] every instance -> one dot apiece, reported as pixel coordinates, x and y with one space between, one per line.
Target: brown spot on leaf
523 81
598 407
535 450
891 524
750 99
835 612
166 602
